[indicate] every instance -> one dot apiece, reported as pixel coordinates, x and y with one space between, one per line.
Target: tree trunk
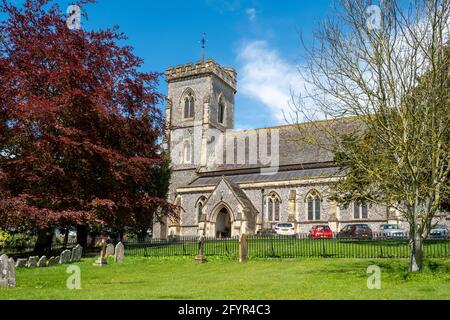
66 237
416 260
82 235
44 241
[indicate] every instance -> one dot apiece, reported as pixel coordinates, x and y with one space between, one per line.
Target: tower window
187 153
189 107
221 110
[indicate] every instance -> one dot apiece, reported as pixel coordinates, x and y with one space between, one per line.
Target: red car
321 232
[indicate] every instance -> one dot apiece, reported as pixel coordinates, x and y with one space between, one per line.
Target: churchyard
180 278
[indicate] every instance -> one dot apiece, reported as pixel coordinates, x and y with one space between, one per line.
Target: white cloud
251 13
268 78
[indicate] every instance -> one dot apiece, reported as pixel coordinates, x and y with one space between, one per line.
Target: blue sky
259 38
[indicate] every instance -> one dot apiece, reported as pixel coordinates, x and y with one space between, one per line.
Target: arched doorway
223 224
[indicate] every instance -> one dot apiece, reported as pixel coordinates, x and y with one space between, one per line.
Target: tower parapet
210 67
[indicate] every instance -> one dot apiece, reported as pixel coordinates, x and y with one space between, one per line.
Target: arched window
221 111
199 208
273 207
187 153
314 206
189 106
360 210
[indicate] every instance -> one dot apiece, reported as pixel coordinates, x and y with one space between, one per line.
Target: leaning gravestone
52 261
32 262
109 250
77 252
65 257
42 263
119 252
11 273
3 271
21 263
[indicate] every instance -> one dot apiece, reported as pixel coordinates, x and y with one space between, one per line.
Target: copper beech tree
80 128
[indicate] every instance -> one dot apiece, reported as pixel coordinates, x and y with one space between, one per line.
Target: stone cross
243 248
201 250
103 257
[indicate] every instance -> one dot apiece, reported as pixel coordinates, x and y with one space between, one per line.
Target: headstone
109 250
119 252
4 271
77 252
65 257
21 263
53 261
42 263
102 260
32 262
243 248
200 258
11 273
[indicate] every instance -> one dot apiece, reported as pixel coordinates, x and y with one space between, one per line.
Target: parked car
285 229
320 232
439 232
392 231
356 231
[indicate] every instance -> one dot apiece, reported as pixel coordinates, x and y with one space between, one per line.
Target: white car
392 231
285 229
439 232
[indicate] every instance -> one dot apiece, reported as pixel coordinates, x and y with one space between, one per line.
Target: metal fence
28 249
299 246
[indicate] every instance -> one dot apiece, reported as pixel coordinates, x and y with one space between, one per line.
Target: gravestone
119 252
3 271
243 248
11 273
65 257
32 262
109 250
42 263
77 252
52 261
21 263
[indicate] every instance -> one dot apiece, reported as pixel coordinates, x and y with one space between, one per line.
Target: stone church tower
200 100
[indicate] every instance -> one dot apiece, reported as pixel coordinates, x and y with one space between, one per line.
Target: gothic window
314 206
360 210
221 110
273 207
189 106
187 153
199 208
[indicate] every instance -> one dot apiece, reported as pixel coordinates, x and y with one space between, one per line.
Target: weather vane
203 42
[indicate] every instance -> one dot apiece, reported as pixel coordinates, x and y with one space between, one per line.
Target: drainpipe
262 208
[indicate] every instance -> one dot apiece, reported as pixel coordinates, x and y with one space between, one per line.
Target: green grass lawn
180 278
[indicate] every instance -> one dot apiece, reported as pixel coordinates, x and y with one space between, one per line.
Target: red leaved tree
80 129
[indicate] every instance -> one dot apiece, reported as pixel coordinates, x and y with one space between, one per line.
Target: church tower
200 98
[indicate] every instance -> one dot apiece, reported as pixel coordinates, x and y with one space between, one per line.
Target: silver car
392 231
439 232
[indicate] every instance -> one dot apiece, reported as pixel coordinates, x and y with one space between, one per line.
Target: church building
229 182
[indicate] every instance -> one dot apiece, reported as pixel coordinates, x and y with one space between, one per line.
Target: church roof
290 175
240 195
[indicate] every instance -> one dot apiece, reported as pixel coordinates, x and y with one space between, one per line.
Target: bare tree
383 71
